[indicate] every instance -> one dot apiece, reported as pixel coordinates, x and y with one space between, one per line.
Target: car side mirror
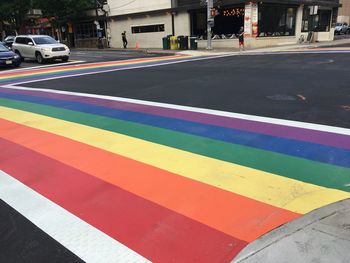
30 43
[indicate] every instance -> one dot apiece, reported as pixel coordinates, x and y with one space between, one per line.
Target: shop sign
248 19
251 19
254 19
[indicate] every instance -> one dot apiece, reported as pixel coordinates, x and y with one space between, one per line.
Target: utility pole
96 10
97 25
210 22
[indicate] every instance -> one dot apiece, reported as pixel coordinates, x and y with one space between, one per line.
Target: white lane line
43 66
296 124
82 239
294 52
87 56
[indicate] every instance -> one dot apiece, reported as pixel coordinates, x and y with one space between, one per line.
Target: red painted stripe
151 230
88 65
201 202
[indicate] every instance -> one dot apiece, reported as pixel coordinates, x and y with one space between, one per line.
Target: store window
147 29
85 30
317 23
276 20
227 22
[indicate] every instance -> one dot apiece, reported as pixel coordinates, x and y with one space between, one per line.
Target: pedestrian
241 38
125 41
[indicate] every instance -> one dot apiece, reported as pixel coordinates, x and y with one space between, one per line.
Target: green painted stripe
292 167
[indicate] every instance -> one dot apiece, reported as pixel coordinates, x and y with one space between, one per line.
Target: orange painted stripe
88 65
235 215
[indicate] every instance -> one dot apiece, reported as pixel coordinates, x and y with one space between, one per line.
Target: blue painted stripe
301 149
89 70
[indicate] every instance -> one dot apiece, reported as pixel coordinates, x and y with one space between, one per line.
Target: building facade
344 11
145 22
266 22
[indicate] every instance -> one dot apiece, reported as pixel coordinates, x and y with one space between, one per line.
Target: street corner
322 235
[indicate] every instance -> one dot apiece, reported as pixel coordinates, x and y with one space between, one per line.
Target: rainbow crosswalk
171 183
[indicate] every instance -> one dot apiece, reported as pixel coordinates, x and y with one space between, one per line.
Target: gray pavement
322 236
342 40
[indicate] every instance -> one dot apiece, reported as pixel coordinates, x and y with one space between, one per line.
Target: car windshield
9 38
339 24
3 48
44 40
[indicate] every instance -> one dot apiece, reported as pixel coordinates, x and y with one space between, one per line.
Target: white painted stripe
296 124
42 66
295 52
82 239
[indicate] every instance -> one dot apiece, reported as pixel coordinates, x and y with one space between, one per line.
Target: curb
305 239
144 51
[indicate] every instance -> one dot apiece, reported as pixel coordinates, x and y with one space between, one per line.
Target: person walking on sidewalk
125 41
241 38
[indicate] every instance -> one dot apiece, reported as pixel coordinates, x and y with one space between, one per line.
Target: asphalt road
86 56
303 87
76 161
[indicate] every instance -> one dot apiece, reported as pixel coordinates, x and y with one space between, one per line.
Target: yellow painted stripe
272 189
92 66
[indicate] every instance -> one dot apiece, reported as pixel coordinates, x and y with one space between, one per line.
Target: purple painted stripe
319 137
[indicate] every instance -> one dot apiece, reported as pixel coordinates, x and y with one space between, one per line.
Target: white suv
40 47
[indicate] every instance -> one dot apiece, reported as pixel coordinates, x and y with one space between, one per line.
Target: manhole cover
281 97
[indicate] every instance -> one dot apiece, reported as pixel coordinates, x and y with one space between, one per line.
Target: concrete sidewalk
322 236
225 51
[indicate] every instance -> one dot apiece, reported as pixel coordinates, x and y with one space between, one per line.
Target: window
324 20
20 40
23 40
305 24
44 40
318 23
276 20
85 30
147 29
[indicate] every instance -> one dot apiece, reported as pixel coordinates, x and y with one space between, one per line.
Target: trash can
183 42
193 43
174 44
166 43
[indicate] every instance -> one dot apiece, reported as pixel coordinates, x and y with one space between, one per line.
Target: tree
64 11
14 12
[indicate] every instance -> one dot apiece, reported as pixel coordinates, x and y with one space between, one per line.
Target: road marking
82 239
262 186
98 71
42 66
296 124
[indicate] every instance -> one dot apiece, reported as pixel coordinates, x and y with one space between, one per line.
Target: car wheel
65 59
19 54
39 58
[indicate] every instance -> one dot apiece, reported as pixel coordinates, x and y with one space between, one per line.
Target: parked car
8 58
9 41
40 47
341 28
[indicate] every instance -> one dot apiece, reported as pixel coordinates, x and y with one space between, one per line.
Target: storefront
40 26
266 22
85 34
227 21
